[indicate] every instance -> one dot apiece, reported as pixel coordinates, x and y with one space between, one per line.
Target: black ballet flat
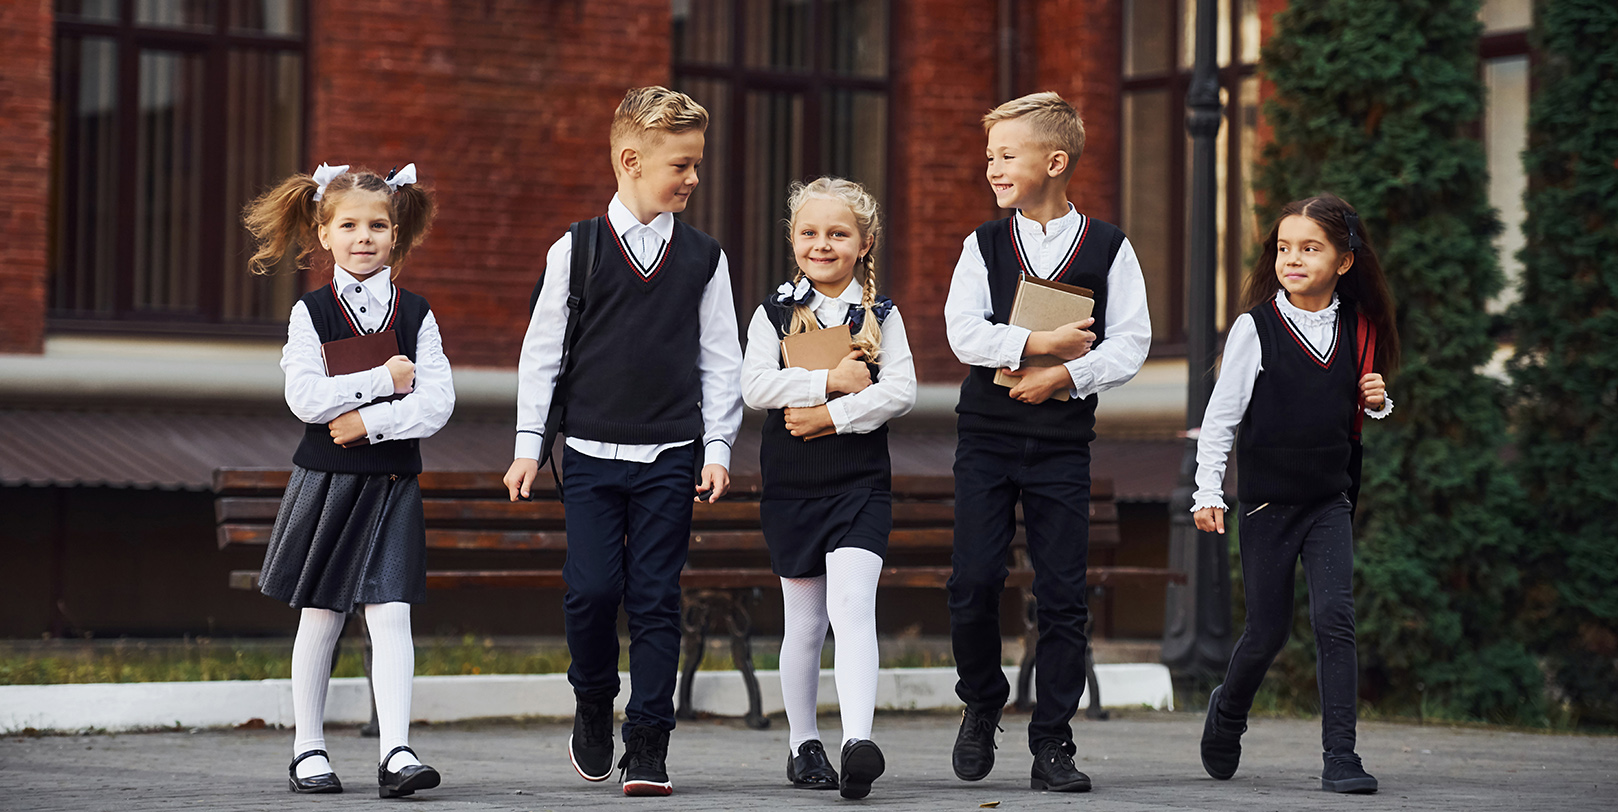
405 781
314 784
810 768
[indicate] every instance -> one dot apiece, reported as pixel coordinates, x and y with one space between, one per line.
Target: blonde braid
803 318
869 338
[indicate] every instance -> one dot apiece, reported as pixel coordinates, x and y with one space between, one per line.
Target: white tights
845 597
393 664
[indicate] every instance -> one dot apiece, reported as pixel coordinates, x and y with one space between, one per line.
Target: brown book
359 354
817 349
1043 305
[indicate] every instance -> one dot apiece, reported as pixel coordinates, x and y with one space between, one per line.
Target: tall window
1158 54
1505 128
796 89
170 115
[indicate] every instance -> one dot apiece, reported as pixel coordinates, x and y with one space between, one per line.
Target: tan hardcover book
817 349
1044 305
358 354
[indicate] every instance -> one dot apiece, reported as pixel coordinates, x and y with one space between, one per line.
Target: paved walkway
1142 761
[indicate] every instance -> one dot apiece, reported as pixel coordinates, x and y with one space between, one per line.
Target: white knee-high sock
851 576
393 667
804 611
318 630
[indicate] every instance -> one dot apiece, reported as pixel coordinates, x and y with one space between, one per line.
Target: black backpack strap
584 234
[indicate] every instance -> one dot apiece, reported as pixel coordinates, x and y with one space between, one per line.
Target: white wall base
134 706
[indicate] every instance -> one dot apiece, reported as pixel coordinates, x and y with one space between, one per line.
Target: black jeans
1052 477
1273 538
628 533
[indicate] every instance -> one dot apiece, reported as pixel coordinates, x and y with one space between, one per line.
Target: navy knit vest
837 463
317 452
1295 442
633 375
986 406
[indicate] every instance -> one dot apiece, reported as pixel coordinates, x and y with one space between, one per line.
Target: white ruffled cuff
1208 499
1387 409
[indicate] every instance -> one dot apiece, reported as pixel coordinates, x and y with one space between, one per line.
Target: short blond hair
646 113
1056 125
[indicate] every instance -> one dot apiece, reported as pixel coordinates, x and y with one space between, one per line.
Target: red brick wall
943 83
1077 46
504 106
25 133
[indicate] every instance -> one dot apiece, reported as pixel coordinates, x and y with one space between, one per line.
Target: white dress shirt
978 341
719 361
766 385
316 398
1243 361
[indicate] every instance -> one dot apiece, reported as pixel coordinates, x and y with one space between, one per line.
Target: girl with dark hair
1299 367
350 532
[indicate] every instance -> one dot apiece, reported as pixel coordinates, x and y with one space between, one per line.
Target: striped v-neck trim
1323 358
645 272
1072 249
354 321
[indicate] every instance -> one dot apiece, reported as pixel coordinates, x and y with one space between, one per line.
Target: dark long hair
1364 284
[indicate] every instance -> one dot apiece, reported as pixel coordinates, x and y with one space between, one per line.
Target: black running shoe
1345 774
590 746
1221 740
810 769
1054 770
974 745
862 764
644 767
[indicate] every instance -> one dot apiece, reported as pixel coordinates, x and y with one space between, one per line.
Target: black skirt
344 540
800 532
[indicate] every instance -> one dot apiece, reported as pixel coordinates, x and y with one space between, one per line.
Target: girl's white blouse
1243 361
316 398
766 385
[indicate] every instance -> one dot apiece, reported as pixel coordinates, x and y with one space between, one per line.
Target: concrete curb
136 706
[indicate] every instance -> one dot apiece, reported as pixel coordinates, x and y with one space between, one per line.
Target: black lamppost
1196 633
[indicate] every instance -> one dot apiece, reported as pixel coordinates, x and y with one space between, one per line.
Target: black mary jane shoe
862 764
407 780
810 768
314 784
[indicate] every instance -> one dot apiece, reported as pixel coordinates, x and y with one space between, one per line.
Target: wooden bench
727 570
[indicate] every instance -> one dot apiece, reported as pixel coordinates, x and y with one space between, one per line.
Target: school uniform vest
1295 443
837 463
986 406
632 374
317 452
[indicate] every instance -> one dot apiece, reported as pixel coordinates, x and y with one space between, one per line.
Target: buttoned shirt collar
377 286
833 310
623 221
1054 228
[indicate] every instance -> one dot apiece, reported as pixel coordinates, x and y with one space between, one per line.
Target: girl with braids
1300 372
827 507
350 531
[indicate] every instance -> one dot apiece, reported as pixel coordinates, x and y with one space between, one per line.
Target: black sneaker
1054 770
810 769
1221 740
1346 774
974 745
862 764
644 767
590 746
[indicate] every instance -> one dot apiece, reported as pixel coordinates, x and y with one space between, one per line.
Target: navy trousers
628 532
1052 477
1273 538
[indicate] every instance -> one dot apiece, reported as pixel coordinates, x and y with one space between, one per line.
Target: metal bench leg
695 642
1094 711
741 653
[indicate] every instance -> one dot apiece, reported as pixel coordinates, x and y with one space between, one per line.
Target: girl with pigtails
350 531
827 508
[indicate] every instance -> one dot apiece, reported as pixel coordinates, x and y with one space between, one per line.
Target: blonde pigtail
282 221
869 338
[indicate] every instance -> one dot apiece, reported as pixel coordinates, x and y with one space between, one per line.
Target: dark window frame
811 84
215 46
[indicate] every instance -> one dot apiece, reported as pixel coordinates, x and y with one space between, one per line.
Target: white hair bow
324 176
403 177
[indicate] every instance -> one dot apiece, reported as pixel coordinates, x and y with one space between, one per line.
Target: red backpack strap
1365 347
